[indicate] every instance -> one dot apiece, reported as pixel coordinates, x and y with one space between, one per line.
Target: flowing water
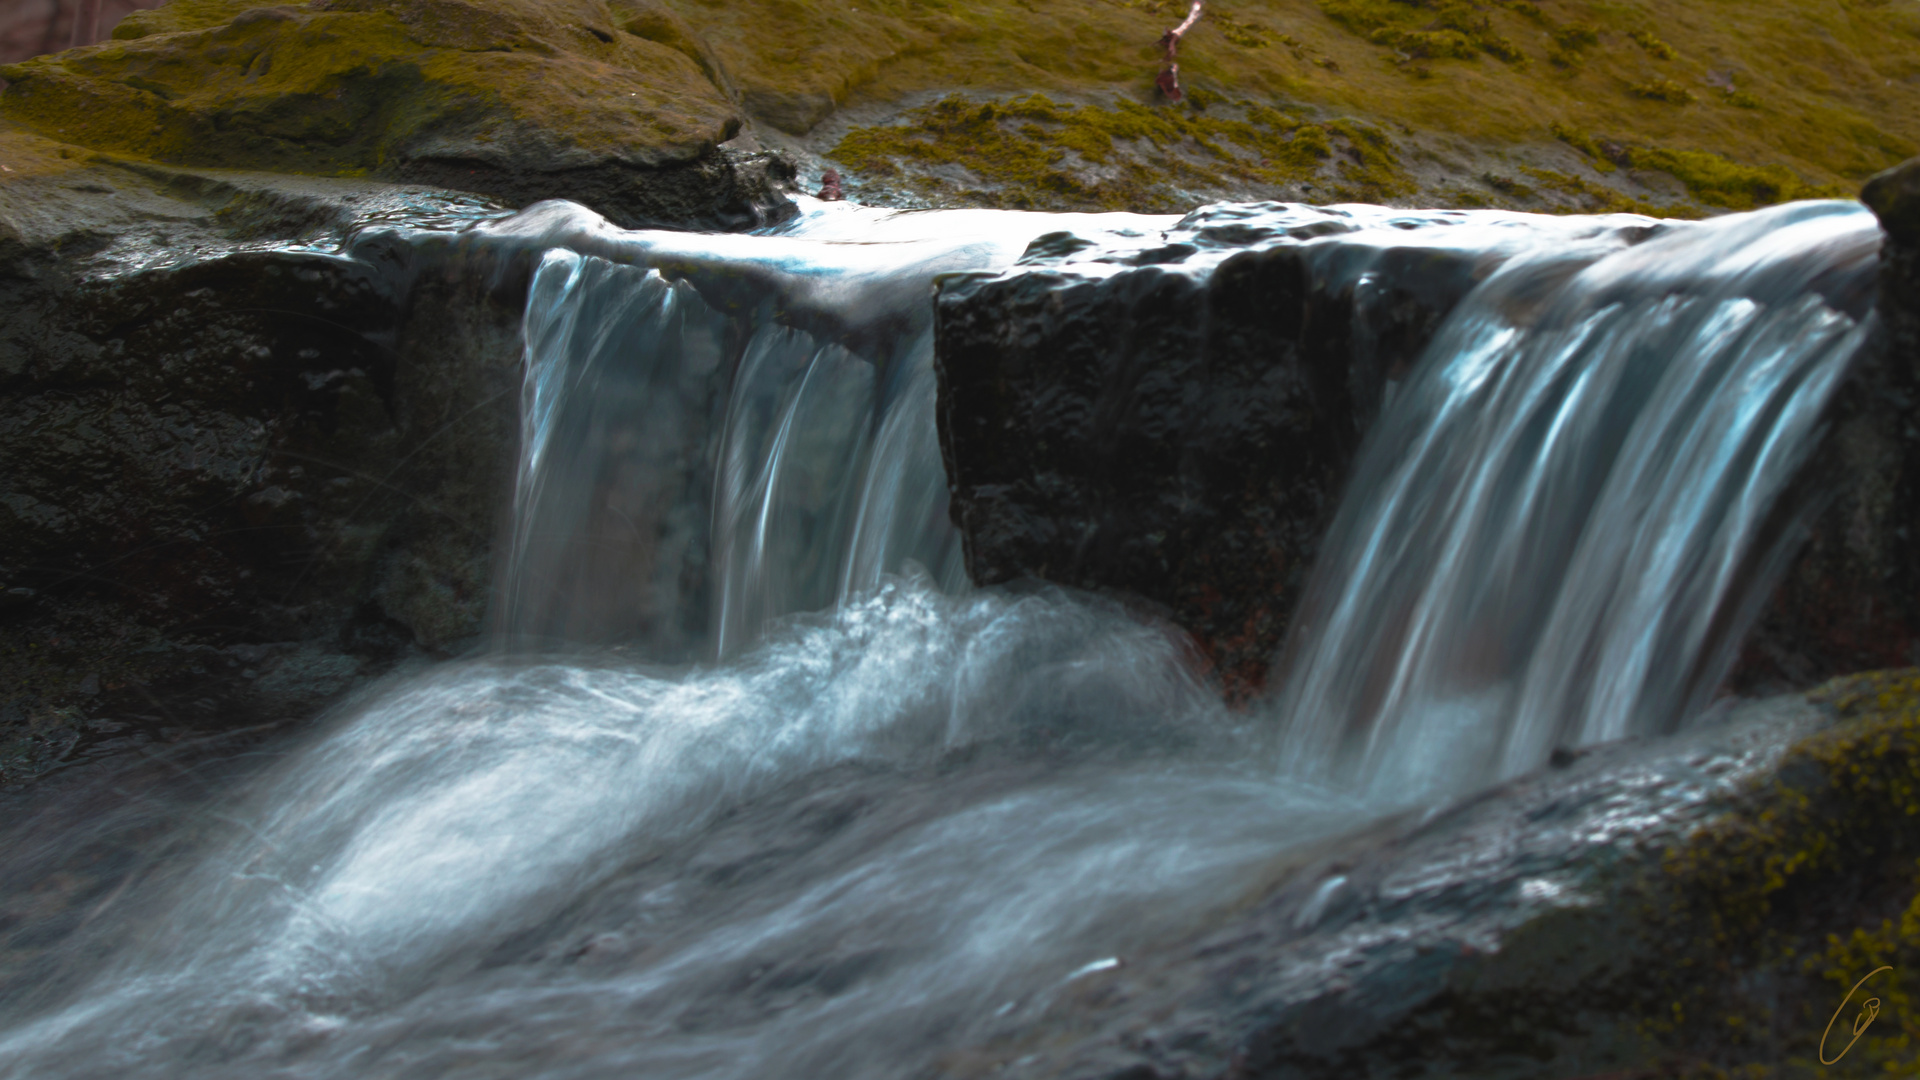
755 785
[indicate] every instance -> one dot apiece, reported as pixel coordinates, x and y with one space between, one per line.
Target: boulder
517 99
258 433
1693 906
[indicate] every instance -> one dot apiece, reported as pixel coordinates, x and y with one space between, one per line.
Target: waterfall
755 785
695 464
1554 538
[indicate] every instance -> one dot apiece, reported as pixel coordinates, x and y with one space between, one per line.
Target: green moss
1034 153
1244 34
1372 172
1711 179
1656 48
355 86
1716 181
1424 29
1507 185
496 77
1584 143
1591 198
1811 886
1039 154
1663 90
1576 36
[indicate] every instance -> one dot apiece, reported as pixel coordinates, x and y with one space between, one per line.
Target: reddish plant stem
1169 80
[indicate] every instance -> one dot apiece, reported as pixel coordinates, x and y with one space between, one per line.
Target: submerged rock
257 436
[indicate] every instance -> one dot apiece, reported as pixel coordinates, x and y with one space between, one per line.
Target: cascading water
694 467
1554 537
872 817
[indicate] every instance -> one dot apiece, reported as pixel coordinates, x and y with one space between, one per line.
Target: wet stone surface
256 430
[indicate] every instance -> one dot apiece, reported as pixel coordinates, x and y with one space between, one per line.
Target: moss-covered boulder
1573 105
520 99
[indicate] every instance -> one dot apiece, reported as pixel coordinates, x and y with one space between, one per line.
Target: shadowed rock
1852 599
257 431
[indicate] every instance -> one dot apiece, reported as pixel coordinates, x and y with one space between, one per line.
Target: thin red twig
1169 80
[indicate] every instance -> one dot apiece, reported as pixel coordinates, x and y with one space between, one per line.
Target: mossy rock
1774 101
518 98
1522 104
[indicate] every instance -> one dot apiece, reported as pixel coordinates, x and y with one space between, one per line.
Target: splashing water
849 842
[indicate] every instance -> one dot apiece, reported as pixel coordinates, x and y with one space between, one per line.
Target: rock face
517 99
1852 599
1688 907
1174 421
248 462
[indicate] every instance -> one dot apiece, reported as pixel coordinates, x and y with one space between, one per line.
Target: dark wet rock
1676 907
257 434
1851 600
1894 196
725 191
1174 421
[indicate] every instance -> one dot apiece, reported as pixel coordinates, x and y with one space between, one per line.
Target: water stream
754 784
